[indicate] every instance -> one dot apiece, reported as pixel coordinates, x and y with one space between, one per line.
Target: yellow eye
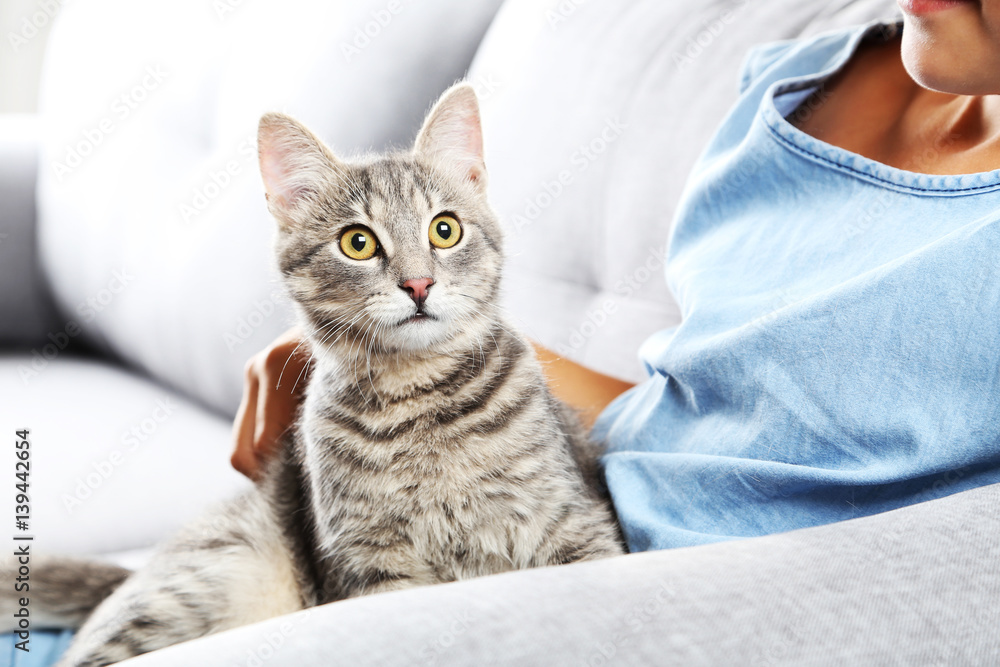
358 243
445 231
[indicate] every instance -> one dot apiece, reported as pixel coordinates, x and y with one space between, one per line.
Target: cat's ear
452 135
294 164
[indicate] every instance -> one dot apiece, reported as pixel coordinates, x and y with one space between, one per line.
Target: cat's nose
417 289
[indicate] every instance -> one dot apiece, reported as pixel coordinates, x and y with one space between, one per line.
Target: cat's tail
54 591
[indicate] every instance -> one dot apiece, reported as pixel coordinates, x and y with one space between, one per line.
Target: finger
276 405
270 420
280 389
286 362
243 458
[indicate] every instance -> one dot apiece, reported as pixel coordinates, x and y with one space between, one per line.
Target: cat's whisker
497 323
496 344
474 298
312 357
478 339
356 358
314 348
339 332
482 353
369 334
383 327
495 306
368 360
338 322
305 338
342 326
501 327
345 328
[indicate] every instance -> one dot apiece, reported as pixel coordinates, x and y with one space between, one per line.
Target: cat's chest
467 503
428 474
470 478
461 523
444 444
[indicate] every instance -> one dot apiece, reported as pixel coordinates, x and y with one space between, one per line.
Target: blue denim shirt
839 353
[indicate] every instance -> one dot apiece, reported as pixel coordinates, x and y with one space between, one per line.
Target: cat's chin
417 333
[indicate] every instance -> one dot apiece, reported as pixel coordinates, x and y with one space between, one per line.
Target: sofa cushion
27 314
151 207
595 114
116 461
915 586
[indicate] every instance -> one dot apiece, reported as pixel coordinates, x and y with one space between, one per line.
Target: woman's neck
874 108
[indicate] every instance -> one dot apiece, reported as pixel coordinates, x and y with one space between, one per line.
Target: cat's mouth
420 316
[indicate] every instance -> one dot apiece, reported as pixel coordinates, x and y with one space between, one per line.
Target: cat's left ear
295 166
452 135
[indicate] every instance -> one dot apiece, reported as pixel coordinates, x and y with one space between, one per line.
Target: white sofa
136 289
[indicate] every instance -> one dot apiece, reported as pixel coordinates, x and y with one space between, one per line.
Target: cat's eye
358 243
445 231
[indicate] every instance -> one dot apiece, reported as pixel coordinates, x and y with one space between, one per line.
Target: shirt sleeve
759 59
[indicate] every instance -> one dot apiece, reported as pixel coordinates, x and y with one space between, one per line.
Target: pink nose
417 289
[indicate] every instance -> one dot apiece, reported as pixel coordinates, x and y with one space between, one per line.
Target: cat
428 448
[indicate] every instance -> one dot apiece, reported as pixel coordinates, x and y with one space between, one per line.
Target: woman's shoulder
773 61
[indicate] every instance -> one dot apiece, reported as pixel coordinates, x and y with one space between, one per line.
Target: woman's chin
950 56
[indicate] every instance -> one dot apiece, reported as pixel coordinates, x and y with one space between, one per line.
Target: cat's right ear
294 164
453 135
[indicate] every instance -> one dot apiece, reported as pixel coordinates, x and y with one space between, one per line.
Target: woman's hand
269 406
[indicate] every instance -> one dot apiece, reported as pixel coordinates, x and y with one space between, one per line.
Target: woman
832 258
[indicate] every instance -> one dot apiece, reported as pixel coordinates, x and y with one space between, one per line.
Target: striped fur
61 591
428 449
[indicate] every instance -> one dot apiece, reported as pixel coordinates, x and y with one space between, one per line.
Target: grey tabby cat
428 448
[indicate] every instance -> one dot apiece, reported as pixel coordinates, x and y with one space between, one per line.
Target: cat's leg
230 569
588 534
387 587
369 569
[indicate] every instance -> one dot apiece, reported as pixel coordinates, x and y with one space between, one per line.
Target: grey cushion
916 586
619 98
27 314
117 461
